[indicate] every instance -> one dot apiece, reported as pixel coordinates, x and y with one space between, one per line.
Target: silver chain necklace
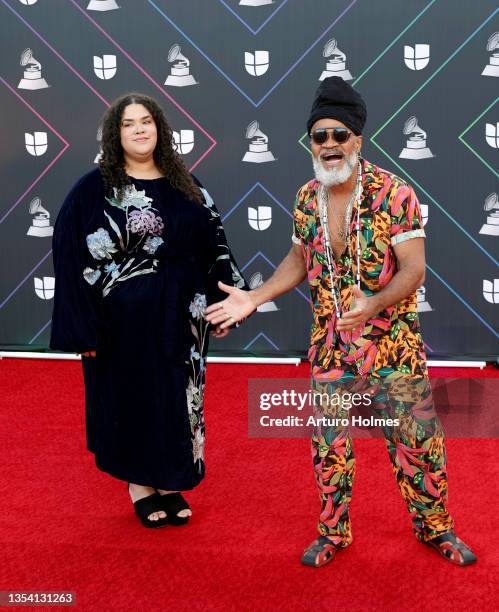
323 199
344 232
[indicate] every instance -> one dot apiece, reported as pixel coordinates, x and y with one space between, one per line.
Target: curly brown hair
168 161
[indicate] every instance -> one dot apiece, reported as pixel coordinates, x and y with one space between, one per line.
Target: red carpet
66 526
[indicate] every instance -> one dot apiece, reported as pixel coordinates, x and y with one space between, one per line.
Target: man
358 236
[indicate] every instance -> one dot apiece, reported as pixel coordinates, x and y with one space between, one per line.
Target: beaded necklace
323 200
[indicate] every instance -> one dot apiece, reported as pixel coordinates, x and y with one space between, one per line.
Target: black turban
336 99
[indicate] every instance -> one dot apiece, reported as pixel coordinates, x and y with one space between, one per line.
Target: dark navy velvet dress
132 281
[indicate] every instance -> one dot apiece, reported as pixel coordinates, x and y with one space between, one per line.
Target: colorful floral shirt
389 343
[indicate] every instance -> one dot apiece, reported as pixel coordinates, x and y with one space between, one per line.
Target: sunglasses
340 135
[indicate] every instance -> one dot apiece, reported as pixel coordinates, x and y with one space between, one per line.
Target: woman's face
138 132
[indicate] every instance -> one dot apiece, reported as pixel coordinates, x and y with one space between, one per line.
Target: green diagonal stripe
375 61
395 40
432 199
437 71
461 138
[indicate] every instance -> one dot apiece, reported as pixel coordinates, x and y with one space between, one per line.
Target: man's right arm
239 304
289 274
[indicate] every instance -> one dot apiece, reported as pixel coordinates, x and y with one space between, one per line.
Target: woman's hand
89 354
232 310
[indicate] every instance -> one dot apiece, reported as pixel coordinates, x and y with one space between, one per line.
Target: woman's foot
176 507
138 493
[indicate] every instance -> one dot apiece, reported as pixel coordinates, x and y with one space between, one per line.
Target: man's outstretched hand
236 307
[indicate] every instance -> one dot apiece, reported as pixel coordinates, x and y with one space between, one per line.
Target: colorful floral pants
415 446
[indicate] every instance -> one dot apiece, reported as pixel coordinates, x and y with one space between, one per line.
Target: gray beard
335 176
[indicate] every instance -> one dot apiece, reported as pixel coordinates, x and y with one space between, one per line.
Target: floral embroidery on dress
237 278
91 276
132 198
198 306
141 237
195 387
100 244
143 222
152 243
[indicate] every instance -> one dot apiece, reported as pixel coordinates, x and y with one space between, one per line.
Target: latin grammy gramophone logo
491 206
336 62
105 66
28 2
491 291
36 143
256 281
256 63
180 75
102 5
32 78
45 287
417 57
492 135
255 2
184 141
492 69
258 150
422 304
99 140
415 147
260 218
40 226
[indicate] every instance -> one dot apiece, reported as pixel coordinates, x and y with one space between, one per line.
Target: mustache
332 151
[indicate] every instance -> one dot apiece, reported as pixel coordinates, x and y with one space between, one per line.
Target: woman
138 251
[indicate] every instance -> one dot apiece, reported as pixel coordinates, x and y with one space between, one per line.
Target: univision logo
105 66
45 287
492 135
491 291
36 143
184 141
256 63
417 57
424 213
260 218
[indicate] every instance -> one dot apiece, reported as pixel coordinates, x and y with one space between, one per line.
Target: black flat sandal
320 552
452 549
172 504
148 505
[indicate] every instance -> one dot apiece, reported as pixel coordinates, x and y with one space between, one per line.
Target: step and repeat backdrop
236 79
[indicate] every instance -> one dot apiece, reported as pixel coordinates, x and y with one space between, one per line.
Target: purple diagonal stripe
25 279
151 80
40 331
61 152
63 60
239 18
273 266
256 338
291 68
